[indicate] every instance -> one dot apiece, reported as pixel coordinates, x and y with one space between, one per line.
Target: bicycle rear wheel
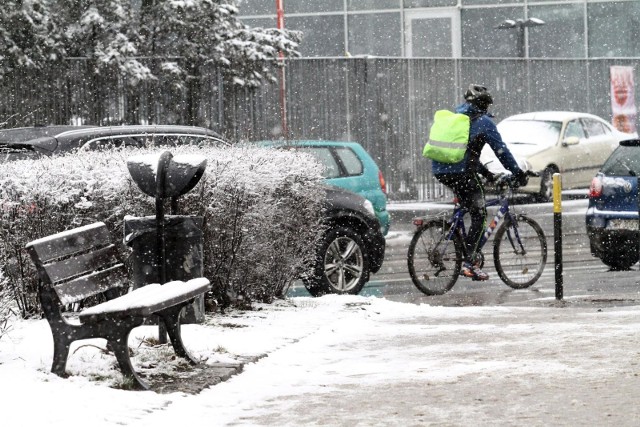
520 252
434 261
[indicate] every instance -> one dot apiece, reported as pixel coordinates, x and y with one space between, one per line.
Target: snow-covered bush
261 209
6 306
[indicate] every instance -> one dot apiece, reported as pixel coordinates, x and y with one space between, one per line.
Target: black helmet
479 96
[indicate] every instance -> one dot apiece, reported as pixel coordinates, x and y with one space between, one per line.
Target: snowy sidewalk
345 361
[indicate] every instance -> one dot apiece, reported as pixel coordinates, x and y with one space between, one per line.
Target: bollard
557 232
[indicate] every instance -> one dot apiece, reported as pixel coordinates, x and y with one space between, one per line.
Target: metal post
520 36
161 174
283 88
557 233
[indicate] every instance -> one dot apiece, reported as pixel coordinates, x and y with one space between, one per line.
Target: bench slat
146 300
81 264
71 241
91 284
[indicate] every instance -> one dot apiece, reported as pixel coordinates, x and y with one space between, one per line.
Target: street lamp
520 25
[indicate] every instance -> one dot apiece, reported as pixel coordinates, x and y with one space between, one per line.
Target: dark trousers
470 191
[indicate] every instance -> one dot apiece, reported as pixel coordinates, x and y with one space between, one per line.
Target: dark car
346 165
351 248
612 215
30 142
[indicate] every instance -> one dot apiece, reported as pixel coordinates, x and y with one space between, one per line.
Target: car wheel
546 184
620 261
341 265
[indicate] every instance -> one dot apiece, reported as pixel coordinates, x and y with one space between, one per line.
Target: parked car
612 214
30 142
346 165
574 144
351 248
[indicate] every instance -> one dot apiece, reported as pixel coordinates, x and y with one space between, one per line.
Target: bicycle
437 249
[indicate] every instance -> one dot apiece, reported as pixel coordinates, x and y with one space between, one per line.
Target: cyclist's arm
493 138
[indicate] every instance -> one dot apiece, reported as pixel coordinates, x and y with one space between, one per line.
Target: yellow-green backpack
448 138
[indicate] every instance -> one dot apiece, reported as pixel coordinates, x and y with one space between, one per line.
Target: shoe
473 272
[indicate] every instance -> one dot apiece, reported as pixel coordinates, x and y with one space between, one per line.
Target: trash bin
184 254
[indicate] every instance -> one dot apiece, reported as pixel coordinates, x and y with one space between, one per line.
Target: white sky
352 361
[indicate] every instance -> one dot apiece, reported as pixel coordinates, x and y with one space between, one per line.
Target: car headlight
369 207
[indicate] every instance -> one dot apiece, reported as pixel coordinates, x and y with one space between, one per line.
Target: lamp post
519 25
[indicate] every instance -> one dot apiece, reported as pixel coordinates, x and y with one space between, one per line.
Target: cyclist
463 177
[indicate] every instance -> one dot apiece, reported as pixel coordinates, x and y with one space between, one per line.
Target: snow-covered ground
345 361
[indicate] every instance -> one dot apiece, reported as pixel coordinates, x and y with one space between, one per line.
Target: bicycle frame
457 223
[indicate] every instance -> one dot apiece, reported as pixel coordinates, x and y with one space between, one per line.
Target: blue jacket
483 131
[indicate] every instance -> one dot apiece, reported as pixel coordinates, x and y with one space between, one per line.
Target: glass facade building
457 28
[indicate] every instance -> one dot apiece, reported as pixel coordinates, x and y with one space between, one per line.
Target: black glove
520 179
490 177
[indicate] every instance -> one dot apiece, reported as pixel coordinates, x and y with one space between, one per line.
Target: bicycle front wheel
520 252
434 261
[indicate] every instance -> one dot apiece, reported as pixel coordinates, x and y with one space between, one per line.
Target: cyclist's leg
471 193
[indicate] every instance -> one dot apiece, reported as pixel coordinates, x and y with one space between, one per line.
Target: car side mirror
571 140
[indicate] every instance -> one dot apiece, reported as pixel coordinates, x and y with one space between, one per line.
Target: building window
562 36
322 35
372 4
480 38
429 3
481 2
257 7
375 34
310 6
614 29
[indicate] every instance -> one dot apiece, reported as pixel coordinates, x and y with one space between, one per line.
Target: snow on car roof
557 116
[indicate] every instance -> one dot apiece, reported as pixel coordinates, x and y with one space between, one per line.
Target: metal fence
386 104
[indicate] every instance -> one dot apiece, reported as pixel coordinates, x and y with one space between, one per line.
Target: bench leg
61 347
171 319
118 341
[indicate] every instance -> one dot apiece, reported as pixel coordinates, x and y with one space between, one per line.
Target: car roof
28 133
60 131
129 129
45 137
556 116
306 143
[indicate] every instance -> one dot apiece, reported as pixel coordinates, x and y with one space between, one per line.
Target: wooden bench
80 263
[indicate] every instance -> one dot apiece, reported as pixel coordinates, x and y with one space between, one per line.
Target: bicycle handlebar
503 181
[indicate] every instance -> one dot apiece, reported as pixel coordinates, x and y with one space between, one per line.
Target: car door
573 156
600 143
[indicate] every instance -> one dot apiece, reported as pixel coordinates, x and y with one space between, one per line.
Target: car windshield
623 161
534 132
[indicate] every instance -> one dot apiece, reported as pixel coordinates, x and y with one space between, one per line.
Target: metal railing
386 104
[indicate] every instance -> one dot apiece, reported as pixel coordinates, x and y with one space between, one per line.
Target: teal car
347 165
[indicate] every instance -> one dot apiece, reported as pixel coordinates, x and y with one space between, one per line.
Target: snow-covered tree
104 31
189 34
29 37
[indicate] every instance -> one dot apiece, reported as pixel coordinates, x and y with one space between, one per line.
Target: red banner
623 104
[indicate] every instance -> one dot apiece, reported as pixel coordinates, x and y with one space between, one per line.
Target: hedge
261 209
